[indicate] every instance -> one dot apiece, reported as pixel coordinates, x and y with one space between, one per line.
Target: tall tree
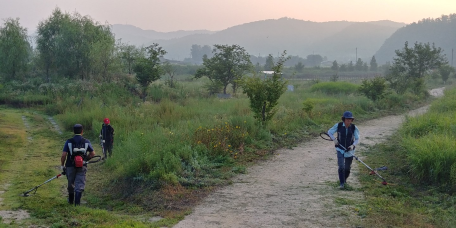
359 65
198 51
410 66
350 66
258 67
314 60
14 47
445 71
148 68
46 40
299 67
103 53
66 44
343 67
335 66
269 63
227 66
365 67
129 54
373 64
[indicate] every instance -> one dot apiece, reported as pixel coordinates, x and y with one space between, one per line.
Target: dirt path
296 188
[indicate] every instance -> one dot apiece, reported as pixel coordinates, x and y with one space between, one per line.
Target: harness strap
70 147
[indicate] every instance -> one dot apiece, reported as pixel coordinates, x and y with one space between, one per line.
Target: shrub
373 89
308 106
221 140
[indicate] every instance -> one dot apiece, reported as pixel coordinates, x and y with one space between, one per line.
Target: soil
296 188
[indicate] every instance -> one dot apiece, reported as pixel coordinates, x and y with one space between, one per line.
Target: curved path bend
295 188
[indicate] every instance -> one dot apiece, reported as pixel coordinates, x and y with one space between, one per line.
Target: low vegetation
420 158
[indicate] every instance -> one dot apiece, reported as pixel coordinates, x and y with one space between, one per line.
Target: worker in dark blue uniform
76 151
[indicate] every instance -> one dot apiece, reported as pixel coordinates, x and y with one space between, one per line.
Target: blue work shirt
76 138
333 130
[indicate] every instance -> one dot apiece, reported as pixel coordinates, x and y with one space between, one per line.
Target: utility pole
452 56
356 60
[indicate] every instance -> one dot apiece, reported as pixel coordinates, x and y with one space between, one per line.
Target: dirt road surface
296 188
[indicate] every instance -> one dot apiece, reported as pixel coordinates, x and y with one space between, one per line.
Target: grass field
170 151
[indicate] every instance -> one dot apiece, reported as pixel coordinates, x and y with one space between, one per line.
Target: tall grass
185 136
430 142
335 87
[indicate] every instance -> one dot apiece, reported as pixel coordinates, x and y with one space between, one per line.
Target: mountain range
343 41
441 32
339 40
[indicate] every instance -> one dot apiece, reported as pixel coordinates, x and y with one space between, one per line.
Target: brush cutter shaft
373 171
36 187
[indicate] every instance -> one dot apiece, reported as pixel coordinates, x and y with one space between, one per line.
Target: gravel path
295 188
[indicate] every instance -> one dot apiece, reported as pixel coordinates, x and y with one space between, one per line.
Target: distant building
268 73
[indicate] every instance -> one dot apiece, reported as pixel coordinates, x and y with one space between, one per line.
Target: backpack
78 151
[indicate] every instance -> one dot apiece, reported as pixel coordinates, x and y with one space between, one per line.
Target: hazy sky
171 15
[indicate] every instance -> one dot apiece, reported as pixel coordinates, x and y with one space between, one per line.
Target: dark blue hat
348 115
77 128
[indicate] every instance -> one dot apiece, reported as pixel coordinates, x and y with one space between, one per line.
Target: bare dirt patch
296 188
9 216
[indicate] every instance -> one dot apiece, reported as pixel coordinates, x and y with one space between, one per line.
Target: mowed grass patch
13 136
37 161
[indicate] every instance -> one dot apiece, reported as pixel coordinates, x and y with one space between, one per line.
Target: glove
336 143
352 147
63 168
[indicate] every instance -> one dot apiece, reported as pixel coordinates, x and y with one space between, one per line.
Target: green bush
373 89
308 106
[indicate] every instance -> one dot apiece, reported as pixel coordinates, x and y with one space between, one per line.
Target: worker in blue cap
345 143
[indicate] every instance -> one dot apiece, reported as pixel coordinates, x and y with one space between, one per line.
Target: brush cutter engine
78 157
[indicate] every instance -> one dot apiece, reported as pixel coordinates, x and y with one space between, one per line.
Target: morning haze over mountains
338 40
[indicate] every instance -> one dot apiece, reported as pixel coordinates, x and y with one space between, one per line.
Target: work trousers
76 179
344 164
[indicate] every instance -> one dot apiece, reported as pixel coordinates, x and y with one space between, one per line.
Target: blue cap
348 115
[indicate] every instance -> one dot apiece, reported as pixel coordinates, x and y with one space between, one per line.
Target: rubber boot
341 176
347 173
77 198
71 198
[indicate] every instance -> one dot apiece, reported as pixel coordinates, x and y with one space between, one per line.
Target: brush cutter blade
384 183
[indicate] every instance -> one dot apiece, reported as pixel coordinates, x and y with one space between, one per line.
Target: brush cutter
25 194
325 136
102 141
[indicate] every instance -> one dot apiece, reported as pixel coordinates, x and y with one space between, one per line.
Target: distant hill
440 31
137 36
336 40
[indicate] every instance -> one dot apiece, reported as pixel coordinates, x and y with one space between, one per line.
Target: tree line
73 46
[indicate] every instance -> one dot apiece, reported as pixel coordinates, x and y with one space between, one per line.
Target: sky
215 15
